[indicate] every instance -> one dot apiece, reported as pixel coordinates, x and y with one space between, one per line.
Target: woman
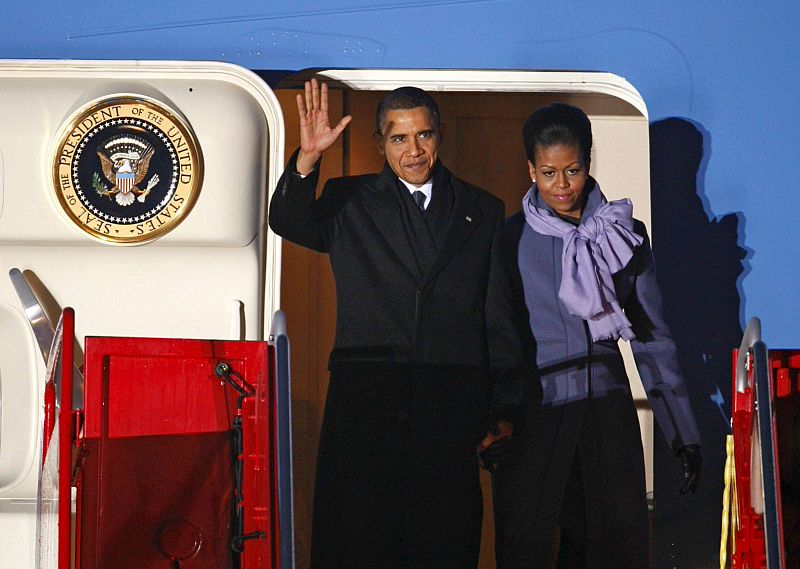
573 485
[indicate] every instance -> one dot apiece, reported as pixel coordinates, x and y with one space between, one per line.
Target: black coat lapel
383 208
465 219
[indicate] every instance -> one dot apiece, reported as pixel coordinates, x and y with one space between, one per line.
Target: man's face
410 142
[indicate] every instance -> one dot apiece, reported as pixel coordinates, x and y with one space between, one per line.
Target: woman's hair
556 124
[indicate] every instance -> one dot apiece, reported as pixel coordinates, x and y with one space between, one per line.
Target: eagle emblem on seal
124 161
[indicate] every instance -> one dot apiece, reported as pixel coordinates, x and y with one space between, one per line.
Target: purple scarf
602 245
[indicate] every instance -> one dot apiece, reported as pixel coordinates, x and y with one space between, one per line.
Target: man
424 340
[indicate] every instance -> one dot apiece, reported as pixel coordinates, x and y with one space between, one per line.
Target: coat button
402 416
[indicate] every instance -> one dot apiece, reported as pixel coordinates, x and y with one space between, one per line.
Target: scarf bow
601 246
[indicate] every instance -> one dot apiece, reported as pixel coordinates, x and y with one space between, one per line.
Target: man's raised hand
316 134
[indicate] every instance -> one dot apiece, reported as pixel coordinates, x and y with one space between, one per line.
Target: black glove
691 459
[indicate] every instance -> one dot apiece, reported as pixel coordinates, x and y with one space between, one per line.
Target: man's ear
377 138
441 132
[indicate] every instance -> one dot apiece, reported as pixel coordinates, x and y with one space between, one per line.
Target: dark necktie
419 197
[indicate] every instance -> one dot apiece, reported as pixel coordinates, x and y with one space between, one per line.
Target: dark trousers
397 482
572 493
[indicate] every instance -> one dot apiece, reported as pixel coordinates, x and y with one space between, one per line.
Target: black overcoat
424 343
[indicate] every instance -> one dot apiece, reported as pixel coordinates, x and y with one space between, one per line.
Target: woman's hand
316 134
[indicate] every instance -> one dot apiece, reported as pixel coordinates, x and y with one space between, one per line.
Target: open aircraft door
135 192
147 242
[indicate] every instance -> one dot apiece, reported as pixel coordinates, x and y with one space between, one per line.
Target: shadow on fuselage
700 263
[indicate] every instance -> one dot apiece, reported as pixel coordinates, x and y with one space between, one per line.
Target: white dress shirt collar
426 188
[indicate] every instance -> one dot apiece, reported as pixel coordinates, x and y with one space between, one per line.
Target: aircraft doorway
483 113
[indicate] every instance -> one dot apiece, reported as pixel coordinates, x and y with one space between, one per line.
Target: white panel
19 398
181 285
17 534
491 81
621 160
2 184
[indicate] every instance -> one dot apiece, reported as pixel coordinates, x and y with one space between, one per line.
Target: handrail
283 389
752 334
770 477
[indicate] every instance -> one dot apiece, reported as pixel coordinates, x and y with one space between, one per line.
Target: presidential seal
127 169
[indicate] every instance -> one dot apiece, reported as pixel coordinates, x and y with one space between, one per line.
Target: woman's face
560 175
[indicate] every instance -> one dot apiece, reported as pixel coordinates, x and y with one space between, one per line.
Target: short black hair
404 98
556 124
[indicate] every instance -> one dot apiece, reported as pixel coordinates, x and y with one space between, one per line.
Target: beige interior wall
483 145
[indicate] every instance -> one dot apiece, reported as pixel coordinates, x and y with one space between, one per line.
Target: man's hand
316 134
495 444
